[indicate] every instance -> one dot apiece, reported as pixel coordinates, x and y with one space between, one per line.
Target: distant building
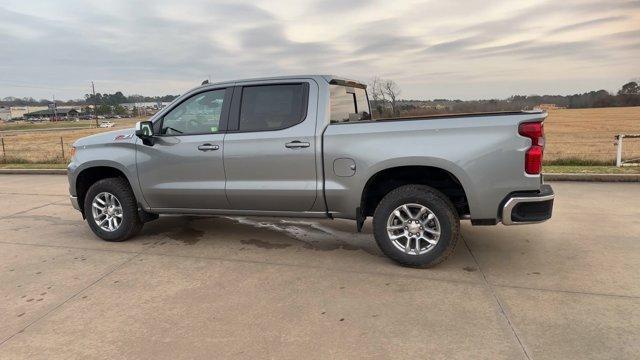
5 113
17 112
59 114
547 107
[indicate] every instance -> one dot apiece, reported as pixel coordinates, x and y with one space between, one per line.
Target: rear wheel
416 226
111 210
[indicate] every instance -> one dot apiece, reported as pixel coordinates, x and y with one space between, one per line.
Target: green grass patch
84 124
573 169
33 166
19 160
575 161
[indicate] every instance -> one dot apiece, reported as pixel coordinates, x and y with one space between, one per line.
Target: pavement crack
497 299
26 211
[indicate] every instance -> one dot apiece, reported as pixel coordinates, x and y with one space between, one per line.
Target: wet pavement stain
257 233
187 235
264 244
175 228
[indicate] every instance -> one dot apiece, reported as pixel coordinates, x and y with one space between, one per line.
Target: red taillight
533 156
533 160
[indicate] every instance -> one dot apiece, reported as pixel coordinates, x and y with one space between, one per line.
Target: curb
593 177
34 171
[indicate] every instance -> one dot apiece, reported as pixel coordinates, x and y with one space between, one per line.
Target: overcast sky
433 49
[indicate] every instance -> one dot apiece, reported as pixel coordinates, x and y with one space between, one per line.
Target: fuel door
344 167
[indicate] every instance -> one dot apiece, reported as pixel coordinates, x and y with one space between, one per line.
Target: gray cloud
164 47
587 24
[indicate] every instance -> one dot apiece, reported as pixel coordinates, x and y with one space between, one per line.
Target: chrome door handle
297 145
208 147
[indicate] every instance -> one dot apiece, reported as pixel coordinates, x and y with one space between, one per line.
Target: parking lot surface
218 287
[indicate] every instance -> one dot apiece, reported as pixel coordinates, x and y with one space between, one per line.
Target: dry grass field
588 133
585 134
44 146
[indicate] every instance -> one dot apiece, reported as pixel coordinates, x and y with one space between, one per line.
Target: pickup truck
306 146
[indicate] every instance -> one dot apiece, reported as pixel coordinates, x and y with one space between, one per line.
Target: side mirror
144 130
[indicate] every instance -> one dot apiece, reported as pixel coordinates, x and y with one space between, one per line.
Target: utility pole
55 109
95 103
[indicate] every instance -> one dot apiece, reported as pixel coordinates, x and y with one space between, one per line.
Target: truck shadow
263 233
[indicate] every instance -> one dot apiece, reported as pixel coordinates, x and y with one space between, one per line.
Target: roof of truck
327 78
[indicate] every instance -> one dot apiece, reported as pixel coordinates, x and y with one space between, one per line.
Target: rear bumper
528 207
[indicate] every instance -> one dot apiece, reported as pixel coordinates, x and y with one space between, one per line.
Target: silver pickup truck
306 146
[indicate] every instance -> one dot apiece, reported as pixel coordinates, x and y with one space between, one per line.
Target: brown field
45 146
571 133
588 133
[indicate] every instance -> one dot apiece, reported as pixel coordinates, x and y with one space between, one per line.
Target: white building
5 113
17 112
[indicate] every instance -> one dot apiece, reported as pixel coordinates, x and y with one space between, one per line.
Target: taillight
533 156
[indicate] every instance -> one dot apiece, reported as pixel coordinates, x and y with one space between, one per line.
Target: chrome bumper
74 202
528 208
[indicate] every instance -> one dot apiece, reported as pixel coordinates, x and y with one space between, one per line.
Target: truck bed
483 151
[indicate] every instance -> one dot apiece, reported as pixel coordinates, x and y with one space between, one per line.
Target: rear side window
348 104
272 107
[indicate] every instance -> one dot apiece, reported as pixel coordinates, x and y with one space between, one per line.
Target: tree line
384 97
89 99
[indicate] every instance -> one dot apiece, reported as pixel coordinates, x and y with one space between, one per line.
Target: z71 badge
123 137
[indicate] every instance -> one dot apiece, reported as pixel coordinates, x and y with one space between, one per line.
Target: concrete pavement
191 287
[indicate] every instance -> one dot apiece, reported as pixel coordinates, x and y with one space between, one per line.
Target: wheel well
386 180
90 176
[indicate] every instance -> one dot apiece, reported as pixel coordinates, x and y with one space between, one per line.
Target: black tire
441 207
131 223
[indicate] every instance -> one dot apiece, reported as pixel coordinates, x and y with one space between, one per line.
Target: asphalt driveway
217 287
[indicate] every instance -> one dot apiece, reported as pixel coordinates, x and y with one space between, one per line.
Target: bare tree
375 90
392 91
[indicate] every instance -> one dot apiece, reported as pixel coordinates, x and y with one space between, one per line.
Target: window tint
348 104
272 107
200 114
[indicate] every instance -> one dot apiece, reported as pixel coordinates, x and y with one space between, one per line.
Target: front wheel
416 225
111 210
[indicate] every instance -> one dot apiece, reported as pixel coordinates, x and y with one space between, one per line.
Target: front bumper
74 202
528 207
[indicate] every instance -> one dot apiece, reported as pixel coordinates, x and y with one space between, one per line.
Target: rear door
269 156
184 168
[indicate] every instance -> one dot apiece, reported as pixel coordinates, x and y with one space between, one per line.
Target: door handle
208 147
296 144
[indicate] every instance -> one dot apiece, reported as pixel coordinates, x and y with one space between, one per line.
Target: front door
269 157
184 168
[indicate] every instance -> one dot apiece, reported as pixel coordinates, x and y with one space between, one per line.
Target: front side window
272 107
200 114
348 104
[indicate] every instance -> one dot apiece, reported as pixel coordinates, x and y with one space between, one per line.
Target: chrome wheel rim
107 211
413 228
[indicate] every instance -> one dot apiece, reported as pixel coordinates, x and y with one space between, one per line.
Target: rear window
348 104
272 107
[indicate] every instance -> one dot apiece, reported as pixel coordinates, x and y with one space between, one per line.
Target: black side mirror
144 130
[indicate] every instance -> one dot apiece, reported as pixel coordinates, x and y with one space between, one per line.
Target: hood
109 137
